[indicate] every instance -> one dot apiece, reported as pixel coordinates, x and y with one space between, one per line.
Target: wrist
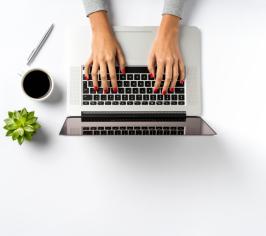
99 22
170 24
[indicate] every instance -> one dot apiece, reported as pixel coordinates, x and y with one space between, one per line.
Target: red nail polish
182 82
155 90
151 75
172 90
123 71
86 77
105 91
95 88
115 90
164 91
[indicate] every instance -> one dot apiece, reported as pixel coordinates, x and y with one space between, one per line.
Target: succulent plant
21 125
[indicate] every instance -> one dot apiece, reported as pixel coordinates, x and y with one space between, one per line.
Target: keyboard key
142 90
166 103
126 84
181 97
178 84
108 103
139 97
149 90
179 90
122 77
144 76
159 103
173 102
86 90
93 103
133 83
87 97
135 90
128 90
90 83
115 103
147 83
124 97
119 83
137 103
86 103
96 97
181 103
129 76
174 97
140 84
123 103
137 77
130 103
146 97
121 90
132 97
152 103
110 132
118 97
111 97
167 97
159 97
101 103
145 103
103 97
87 133
153 97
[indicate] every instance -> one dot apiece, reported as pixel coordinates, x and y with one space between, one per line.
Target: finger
168 77
103 73
88 68
121 61
182 71
94 75
175 77
159 76
151 62
112 73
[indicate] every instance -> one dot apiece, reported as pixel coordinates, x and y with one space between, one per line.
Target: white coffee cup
37 84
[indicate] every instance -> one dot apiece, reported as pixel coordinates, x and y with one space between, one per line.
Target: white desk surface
139 186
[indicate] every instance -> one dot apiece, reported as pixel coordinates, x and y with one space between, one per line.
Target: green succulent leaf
20 131
9 133
31 121
21 140
21 125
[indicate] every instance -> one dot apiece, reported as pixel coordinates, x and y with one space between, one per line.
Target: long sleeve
94 5
174 7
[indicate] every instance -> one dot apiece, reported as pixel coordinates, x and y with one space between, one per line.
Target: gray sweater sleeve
173 7
94 5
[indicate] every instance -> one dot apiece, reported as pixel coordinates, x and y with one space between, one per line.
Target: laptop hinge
133 116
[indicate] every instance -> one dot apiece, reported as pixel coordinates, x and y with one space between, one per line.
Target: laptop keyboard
134 88
131 130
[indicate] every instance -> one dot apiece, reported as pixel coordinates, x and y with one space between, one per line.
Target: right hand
105 51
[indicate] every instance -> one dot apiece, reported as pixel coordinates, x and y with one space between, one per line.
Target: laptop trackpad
136 45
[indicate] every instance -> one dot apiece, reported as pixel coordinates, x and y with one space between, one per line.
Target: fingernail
172 90
95 88
182 82
155 90
86 77
114 90
105 91
151 75
164 91
123 71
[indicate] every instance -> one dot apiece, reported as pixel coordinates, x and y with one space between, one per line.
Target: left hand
166 55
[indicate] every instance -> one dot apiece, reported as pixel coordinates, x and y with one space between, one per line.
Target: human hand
105 51
166 55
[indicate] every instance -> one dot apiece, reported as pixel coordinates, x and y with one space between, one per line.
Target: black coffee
36 84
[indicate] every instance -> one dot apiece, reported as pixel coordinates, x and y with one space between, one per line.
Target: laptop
135 109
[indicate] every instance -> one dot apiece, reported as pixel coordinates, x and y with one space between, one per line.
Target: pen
36 50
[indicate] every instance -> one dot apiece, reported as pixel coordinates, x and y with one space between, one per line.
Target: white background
138 185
